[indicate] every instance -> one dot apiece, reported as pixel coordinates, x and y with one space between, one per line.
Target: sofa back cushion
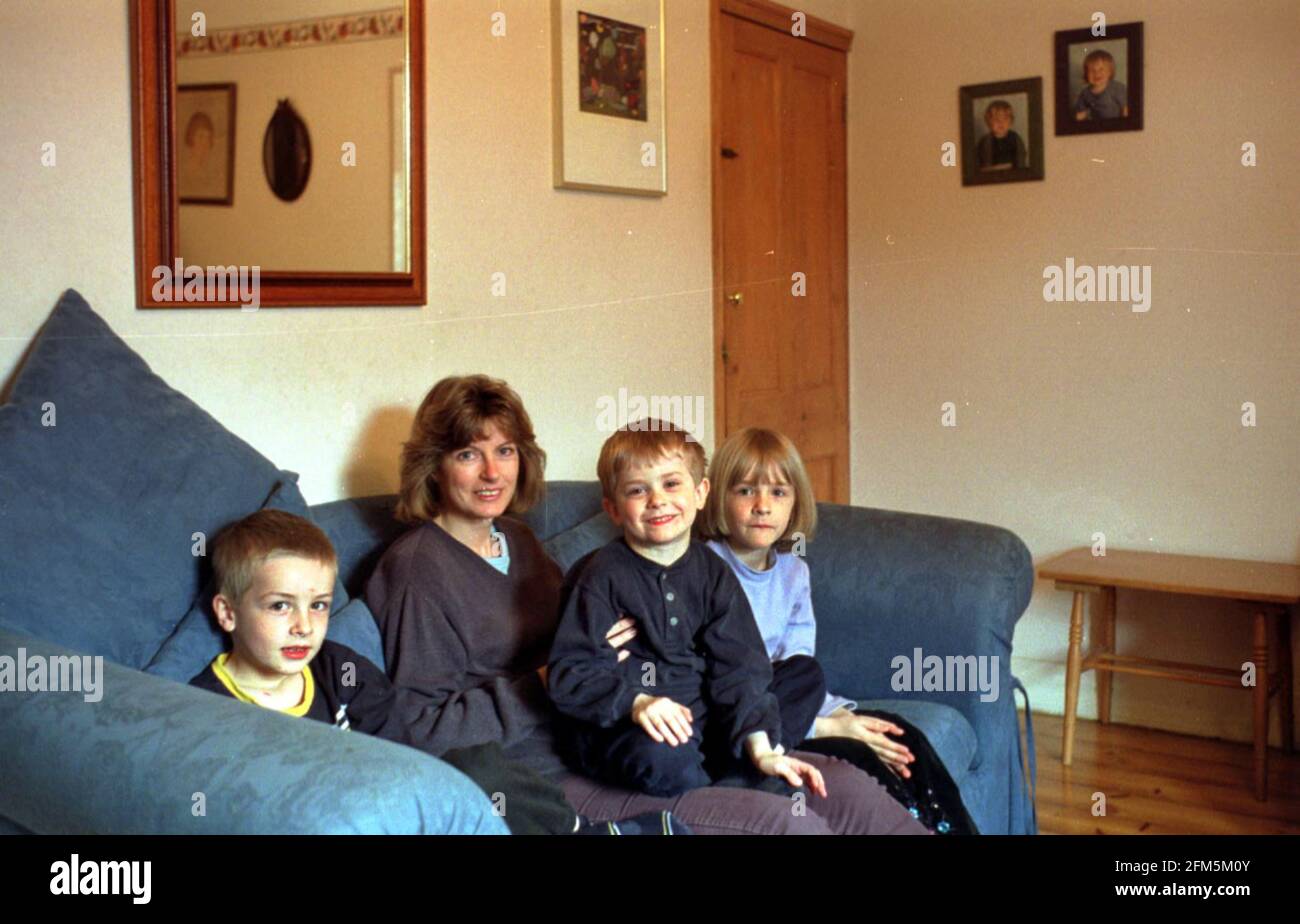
109 480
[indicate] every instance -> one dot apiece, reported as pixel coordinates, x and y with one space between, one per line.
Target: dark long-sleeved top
463 641
342 688
697 643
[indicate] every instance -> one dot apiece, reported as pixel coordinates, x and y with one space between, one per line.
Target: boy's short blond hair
643 442
998 105
245 545
750 452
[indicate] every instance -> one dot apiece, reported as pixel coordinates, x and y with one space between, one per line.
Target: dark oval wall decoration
286 152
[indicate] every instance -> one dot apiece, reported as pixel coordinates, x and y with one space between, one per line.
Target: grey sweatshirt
463 641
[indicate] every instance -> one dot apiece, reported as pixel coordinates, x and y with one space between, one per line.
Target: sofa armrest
134 760
887 583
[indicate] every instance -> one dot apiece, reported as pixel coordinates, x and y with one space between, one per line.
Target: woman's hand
662 719
793 770
871 731
619 634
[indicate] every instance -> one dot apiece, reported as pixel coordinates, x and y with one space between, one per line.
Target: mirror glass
341 66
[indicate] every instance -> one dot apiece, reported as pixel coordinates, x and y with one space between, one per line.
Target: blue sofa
884 584
110 482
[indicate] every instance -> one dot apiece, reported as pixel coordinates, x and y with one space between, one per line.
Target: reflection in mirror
341 64
286 153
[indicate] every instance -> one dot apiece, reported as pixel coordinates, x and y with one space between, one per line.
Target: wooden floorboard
1158 782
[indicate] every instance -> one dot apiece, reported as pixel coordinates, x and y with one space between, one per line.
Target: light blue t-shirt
781 598
502 561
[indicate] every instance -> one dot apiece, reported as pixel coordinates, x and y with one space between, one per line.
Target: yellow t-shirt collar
308 687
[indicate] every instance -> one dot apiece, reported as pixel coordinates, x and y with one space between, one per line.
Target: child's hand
619 634
662 719
872 731
793 770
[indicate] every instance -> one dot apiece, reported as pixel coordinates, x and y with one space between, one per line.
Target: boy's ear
225 612
702 490
611 510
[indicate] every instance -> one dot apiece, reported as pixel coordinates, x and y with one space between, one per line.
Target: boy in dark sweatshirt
687 703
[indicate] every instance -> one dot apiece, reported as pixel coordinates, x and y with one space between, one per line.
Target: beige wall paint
603 291
1078 418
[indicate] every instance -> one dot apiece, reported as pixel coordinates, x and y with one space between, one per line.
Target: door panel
784 354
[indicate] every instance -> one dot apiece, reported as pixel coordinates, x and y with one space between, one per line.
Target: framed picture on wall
607 62
1099 80
205 143
1002 131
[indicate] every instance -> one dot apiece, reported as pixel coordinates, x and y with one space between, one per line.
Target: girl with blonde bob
759 516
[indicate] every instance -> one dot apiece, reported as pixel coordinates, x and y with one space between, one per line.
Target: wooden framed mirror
209 229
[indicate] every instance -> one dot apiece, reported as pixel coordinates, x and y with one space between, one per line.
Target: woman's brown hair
455 413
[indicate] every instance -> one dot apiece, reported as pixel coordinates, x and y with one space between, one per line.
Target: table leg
1103 639
1284 655
1073 667
1261 705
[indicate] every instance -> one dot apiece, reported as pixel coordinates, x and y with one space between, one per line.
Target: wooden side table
1270 586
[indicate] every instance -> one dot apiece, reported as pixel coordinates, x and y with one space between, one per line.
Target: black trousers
527 801
625 755
929 794
800 688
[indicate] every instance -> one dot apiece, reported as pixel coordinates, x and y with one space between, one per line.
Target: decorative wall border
297 33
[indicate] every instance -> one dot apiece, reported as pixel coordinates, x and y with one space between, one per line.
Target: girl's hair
1098 55
748 454
245 545
455 413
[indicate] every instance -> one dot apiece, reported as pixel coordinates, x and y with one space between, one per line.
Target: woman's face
478 481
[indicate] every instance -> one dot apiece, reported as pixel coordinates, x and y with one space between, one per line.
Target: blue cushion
944 727
97 512
198 639
570 545
355 626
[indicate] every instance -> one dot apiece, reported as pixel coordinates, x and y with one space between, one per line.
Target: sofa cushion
944 727
106 475
571 544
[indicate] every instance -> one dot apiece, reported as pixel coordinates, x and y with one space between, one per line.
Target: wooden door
780 248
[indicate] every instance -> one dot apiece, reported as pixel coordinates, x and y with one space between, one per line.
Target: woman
467 604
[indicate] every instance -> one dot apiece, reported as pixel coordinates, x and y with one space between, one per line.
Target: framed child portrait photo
1002 132
1099 80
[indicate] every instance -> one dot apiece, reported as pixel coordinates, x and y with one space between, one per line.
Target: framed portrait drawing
1002 131
205 143
1099 80
607 94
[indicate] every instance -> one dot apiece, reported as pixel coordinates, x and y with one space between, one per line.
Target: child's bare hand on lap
663 719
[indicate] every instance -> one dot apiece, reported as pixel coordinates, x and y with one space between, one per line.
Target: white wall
603 291
1086 417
